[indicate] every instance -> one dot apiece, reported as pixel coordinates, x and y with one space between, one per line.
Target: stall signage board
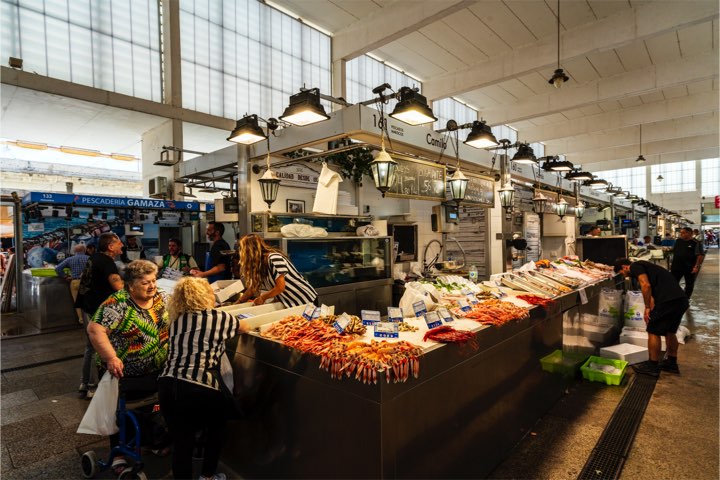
445 314
370 317
432 319
418 179
419 308
118 202
395 314
297 175
387 330
342 322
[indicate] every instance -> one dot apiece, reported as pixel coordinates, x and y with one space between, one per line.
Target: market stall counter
47 302
458 419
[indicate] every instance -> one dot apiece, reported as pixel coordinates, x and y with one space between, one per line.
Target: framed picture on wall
295 206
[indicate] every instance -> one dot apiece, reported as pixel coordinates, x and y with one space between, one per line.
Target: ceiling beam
643 22
630 84
388 24
652 112
652 149
630 136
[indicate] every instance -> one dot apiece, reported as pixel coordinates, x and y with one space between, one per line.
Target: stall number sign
464 305
395 314
386 330
472 299
370 317
342 322
310 313
419 308
445 314
433 319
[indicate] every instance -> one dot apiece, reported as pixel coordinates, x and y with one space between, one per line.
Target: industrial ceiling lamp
660 178
481 136
525 155
597 183
554 164
640 157
578 175
457 182
412 108
305 108
580 210
247 131
559 76
269 182
539 202
383 167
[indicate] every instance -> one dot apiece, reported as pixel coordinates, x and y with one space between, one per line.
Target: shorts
665 317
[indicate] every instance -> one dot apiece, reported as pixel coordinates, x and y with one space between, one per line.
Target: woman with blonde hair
190 396
262 266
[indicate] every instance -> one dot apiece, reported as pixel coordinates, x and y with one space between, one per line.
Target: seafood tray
554 284
561 279
517 283
542 284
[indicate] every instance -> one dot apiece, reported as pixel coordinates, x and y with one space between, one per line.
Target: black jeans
689 280
187 408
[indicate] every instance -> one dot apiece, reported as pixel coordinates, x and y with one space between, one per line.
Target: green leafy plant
353 163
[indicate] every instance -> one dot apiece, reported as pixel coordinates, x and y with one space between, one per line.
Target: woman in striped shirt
264 267
189 392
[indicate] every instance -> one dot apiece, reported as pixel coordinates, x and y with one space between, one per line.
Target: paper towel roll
381 226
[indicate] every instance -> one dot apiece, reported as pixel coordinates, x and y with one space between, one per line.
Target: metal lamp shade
539 203
247 131
458 185
506 197
580 210
383 171
481 136
558 78
305 109
412 108
525 155
597 184
561 207
269 186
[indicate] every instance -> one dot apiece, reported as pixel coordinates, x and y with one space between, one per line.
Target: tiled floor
678 437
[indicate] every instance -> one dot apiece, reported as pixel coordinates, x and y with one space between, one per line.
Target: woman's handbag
100 417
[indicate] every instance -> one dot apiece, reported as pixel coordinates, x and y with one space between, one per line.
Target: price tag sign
433 319
445 314
342 322
370 317
240 316
324 310
386 330
419 308
395 314
309 312
466 291
583 296
472 299
464 305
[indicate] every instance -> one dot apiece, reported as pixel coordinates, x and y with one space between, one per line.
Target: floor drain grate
608 456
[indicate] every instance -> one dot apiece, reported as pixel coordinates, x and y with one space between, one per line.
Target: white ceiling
631 62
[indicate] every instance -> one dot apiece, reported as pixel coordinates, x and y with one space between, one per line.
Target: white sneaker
90 394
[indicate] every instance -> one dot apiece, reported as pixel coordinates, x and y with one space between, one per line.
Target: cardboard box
225 289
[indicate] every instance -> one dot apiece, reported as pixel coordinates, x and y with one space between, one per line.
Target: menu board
480 190
418 179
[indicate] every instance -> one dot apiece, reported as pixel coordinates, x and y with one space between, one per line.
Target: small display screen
451 214
136 228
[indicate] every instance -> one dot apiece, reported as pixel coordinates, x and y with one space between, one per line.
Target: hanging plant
353 164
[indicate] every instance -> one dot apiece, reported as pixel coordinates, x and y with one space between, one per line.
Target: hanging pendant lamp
383 167
539 202
640 157
559 77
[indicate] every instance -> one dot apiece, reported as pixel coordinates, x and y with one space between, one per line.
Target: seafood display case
352 273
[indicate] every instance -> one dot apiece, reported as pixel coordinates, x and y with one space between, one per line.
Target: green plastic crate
564 363
43 272
607 378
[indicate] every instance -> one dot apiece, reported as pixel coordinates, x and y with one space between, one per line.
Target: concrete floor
678 437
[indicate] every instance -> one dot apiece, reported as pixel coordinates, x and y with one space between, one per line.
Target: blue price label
464 305
309 312
369 317
419 308
472 299
386 330
395 314
433 319
342 322
240 316
445 314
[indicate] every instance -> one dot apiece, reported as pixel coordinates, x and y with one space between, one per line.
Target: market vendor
176 259
264 267
217 264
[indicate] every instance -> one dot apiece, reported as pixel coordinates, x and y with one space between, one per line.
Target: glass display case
269 225
332 261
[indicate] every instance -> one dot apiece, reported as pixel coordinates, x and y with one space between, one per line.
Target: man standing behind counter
176 259
217 265
688 255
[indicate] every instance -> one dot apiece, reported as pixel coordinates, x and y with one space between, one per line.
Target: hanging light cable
269 182
640 157
559 76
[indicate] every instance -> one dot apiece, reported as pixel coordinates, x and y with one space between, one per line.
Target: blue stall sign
117 202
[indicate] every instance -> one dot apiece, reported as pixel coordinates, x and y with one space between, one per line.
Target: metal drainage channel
607 459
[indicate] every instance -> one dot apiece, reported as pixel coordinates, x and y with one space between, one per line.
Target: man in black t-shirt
688 255
665 305
217 265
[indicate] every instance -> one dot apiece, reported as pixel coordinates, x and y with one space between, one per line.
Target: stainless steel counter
457 420
47 302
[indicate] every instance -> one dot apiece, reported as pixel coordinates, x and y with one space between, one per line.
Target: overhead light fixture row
412 108
305 108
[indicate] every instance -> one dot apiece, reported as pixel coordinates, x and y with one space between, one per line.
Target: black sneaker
647 368
673 367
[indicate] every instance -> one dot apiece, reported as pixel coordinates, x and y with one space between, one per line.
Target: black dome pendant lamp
559 77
